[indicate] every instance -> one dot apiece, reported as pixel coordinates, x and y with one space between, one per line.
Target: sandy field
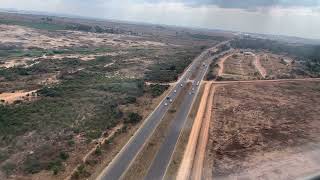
264 131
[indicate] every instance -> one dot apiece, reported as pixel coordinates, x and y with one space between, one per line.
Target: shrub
157 89
64 155
32 165
98 151
8 168
130 100
134 118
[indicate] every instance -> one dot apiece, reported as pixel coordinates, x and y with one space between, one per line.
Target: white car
175 91
170 100
166 104
181 85
192 89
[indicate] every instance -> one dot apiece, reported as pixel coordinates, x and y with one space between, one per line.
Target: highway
126 156
159 166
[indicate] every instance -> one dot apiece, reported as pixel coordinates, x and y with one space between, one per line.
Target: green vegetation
208 37
45 25
309 54
157 89
169 68
9 168
133 118
80 172
45 158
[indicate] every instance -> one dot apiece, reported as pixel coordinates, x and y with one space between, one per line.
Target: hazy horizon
276 17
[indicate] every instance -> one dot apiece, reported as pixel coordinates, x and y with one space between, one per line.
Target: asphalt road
161 162
125 157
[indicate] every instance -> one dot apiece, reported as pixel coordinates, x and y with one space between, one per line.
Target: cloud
290 17
247 4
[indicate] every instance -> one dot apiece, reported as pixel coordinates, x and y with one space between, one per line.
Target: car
170 100
175 91
192 89
167 97
166 104
190 93
181 85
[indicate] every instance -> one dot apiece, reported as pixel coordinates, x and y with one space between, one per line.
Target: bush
134 118
8 168
157 89
219 78
98 151
64 156
130 100
32 165
49 92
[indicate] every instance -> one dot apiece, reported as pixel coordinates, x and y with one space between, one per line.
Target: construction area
254 126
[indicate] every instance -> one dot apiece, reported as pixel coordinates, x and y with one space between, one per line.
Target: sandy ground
11 97
188 157
259 67
221 64
28 37
264 131
280 66
197 168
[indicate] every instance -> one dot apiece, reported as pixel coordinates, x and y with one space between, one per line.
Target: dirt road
188 157
266 81
259 67
197 168
221 62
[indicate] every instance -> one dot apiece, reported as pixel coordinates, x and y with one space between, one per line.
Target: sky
299 18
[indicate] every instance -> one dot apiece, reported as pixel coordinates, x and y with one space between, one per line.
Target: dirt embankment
197 168
188 157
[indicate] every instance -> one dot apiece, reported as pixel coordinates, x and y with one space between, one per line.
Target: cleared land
239 66
264 130
280 66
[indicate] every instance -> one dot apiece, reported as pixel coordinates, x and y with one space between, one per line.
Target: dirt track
259 67
265 81
188 157
203 139
221 62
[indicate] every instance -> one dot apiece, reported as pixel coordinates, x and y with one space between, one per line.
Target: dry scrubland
264 131
281 66
259 64
240 67
68 85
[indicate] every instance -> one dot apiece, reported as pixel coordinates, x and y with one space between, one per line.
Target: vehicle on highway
181 85
168 97
192 89
166 104
170 100
175 91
